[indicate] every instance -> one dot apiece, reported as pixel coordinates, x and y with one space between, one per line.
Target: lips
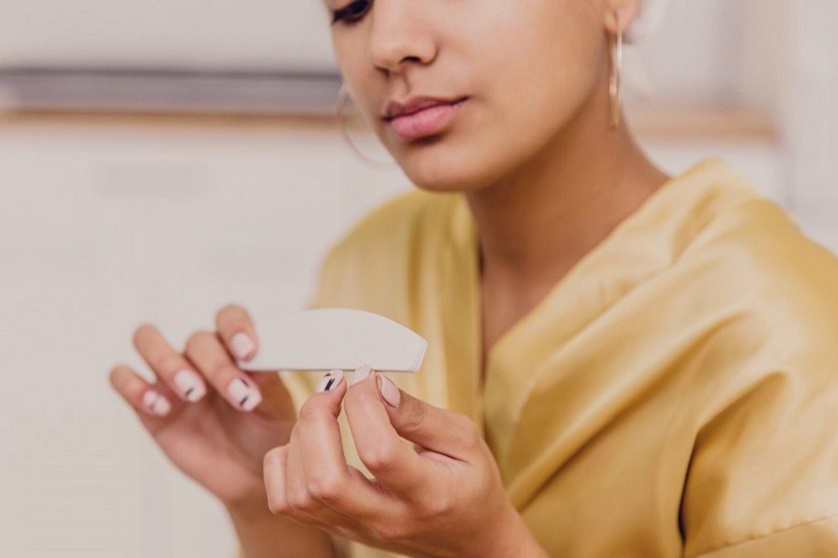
421 116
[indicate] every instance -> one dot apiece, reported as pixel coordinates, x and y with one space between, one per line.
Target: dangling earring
342 103
615 84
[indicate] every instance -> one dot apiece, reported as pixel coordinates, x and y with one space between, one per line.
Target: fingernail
361 373
157 403
242 345
190 385
389 391
330 381
244 394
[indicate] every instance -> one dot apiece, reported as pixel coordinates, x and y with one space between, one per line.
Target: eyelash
353 13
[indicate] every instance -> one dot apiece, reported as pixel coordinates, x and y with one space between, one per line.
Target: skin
536 72
532 151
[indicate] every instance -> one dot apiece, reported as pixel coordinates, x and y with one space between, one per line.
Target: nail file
335 338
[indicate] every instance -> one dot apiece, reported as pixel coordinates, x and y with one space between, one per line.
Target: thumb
432 428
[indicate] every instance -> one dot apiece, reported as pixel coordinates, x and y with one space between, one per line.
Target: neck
535 224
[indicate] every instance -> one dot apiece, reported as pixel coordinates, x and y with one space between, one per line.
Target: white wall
101 229
195 34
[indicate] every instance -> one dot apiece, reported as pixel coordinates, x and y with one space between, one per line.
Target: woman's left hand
441 496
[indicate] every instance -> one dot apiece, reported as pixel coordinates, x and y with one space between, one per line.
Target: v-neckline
642 245
470 255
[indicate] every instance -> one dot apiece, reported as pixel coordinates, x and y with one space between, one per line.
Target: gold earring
342 103
615 84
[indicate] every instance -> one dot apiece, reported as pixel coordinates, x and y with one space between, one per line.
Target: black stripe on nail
244 382
189 392
329 384
242 402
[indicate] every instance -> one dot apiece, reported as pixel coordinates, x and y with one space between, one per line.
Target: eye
353 13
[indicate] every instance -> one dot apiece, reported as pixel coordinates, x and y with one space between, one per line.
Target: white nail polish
361 374
389 392
190 385
244 394
242 345
330 381
156 403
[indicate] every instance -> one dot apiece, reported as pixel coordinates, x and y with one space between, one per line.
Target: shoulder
746 250
764 298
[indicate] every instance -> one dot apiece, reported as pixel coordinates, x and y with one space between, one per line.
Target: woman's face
510 76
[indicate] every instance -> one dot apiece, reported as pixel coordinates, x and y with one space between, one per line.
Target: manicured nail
361 373
389 391
156 403
242 345
243 394
330 381
191 386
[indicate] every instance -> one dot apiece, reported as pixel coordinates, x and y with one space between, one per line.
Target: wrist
513 539
261 533
250 509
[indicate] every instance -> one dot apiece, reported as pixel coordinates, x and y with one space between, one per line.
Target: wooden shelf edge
659 123
699 123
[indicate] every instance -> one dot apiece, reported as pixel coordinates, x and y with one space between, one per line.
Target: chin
439 165
445 179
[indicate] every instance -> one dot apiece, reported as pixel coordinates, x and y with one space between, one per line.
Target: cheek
529 70
527 87
541 78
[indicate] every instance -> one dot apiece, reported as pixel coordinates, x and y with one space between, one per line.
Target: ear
626 10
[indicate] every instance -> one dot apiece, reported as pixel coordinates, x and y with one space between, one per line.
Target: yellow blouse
675 394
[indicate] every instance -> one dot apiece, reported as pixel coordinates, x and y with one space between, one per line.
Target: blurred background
159 159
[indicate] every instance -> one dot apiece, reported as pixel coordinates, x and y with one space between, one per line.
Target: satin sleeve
818 538
763 481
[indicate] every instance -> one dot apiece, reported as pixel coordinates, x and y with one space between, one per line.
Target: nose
400 36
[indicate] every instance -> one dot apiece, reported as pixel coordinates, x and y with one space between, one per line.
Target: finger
168 365
339 493
429 428
205 351
147 400
312 415
275 471
394 463
303 495
236 328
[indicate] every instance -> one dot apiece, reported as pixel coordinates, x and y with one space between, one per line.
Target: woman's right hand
214 421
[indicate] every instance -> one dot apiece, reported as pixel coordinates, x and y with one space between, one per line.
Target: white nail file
335 338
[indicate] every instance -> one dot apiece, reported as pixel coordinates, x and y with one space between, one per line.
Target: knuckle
379 458
432 505
197 340
414 417
300 500
325 488
277 503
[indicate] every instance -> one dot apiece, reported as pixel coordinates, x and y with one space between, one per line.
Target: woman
621 363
